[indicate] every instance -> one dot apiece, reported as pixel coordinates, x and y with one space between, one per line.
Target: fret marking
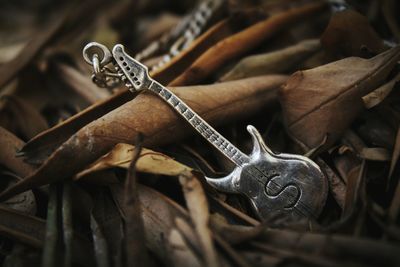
174 101
209 133
181 107
188 114
165 94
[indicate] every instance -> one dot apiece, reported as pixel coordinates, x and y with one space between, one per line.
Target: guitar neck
201 126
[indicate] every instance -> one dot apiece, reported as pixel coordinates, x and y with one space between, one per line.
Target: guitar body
292 186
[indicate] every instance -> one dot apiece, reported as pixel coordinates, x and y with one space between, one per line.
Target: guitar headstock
134 73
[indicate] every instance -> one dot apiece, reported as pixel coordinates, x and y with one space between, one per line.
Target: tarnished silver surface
281 184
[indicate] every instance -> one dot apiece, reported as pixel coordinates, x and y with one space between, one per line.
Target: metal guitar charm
289 185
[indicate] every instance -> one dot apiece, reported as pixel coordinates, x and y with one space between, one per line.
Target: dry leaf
337 186
278 61
242 42
200 45
10 69
181 254
80 84
20 118
198 209
41 146
135 250
396 154
375 154
352 190
10 145
24 228
159 213
149 161
349 34
149 115
325 100
389 8
377 96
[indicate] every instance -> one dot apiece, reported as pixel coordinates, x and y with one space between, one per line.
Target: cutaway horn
258 142
225 184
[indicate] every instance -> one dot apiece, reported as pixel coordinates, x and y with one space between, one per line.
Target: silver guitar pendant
287 185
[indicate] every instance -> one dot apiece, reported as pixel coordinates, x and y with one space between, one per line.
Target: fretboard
201 126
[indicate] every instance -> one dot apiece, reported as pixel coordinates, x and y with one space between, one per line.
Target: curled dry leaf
389 8
19 117
352 190
375 154
242 42
10 145
395 154
181 254
159 214
24 202
200 45
50 248
350 34
135 250
337 186
278 61
80 83
377 96
41 146
153 117
149 161
24 228
198 209
31 49
326 99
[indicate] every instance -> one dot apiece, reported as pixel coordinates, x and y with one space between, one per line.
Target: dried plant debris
105 177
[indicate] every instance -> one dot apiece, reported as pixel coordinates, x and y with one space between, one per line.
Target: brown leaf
20 117
134 229
325 100
242 42
389 8
149 161
375 154
80 84
149 115
352 190
337 247
337 186
158 212
31 49
24 202
395 154
349 34
199 213
377 96
10 145
181 254
278 61
200 45
42 145
27 229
